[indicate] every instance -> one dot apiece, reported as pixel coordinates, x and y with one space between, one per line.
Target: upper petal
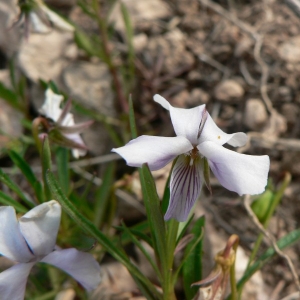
80 265
51 106
12 243
211 132
13 281
185 186
186 122
40 226
154 150
241 173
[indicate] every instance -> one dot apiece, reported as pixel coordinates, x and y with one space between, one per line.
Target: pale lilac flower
64 129
199 140
38 18
30 240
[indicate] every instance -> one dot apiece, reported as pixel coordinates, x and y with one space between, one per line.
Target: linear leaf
91 229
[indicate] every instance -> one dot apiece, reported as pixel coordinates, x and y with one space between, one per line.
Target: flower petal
80 265
241 173
51 107
185 187
154 150
13 281
12 243
211 132
40 226
186 122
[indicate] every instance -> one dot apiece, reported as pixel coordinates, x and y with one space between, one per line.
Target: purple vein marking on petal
186 184
202 123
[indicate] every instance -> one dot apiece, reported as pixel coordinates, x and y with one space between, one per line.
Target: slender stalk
106 49
274 203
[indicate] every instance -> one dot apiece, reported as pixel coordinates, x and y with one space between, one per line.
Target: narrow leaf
91 229
192 268
102 195
9 183
20 162
7 200
287 241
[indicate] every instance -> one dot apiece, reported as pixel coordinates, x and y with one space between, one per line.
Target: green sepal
206 173
58 138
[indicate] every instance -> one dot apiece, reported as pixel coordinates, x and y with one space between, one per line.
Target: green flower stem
112 68
36 124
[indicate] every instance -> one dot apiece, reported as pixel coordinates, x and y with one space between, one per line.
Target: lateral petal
80 265
51 107
13 281
40 226
211 132
185 187
241 173
186 122
154 150
12 242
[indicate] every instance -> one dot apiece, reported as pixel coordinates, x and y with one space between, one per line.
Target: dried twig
270 237
257 37
79 163
209 60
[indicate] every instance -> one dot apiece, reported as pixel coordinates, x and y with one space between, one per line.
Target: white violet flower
64 129
30 240
198 144
40 19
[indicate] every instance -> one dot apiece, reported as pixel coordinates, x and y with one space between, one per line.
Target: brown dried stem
270 237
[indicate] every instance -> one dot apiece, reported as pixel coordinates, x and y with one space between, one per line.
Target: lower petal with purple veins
185 187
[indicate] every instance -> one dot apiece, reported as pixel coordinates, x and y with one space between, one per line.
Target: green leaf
103 194
260 206
7 200
87 43
140 230
28 173
155 217
132 119
143 250
9 96
8 182
129 37
192 268
92 230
